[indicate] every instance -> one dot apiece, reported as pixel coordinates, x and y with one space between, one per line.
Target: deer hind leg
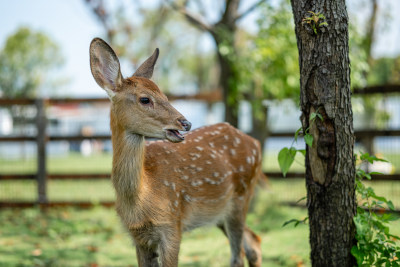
233 228
252 247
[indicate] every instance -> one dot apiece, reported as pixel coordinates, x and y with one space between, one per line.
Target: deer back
204 175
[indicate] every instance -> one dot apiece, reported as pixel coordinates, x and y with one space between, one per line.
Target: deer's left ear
105 67
146 69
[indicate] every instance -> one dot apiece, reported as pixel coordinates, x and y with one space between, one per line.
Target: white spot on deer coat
187 198
197 183
173 186
208 180
248 159
243 183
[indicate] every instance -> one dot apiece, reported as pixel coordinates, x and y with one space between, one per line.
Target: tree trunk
330 171
228 83
228 77
260 129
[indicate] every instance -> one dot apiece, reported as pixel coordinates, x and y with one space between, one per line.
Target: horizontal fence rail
42 176
359 135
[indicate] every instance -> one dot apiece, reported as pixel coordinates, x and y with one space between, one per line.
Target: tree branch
249 10
230 12
196 21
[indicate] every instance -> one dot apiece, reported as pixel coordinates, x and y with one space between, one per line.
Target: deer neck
128 162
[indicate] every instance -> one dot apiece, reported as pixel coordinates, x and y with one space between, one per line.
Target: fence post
41 139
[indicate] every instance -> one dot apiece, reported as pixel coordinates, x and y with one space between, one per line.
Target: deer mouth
174 135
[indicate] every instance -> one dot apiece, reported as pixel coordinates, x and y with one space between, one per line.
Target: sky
71 24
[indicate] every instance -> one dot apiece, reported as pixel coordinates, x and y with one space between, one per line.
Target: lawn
94 237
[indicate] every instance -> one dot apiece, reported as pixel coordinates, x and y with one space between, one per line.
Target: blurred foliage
26 61
268 60
385 70
263 62
271 64
358 57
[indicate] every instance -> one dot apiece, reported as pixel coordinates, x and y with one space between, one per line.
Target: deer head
138 105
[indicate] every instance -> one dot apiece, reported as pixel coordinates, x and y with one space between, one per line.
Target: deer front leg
147 257
169 248
147 241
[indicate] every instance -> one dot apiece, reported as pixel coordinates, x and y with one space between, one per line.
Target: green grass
94 237
71 163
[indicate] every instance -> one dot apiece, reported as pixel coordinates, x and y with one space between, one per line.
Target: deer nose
186 124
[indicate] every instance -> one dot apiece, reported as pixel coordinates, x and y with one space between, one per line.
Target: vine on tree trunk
376 245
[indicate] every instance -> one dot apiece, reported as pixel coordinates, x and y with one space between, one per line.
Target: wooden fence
41 139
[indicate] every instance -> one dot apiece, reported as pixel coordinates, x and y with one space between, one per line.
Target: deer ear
146 69
105 67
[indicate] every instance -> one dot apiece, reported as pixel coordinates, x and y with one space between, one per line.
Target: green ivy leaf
390 205
312 116
303 198
302 151
308 138
296 135
286 158
358 254
295 221
371 158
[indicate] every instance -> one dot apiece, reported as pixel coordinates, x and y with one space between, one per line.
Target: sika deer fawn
165 188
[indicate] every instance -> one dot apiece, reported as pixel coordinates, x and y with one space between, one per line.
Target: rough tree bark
330 171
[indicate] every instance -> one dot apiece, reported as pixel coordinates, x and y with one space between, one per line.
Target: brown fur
177 188
164 188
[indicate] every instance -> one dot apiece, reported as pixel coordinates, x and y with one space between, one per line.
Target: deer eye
144 100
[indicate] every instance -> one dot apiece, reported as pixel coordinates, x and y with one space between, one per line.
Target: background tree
191 64
186 67
26 62
223 32
268 64
375 71
325 89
